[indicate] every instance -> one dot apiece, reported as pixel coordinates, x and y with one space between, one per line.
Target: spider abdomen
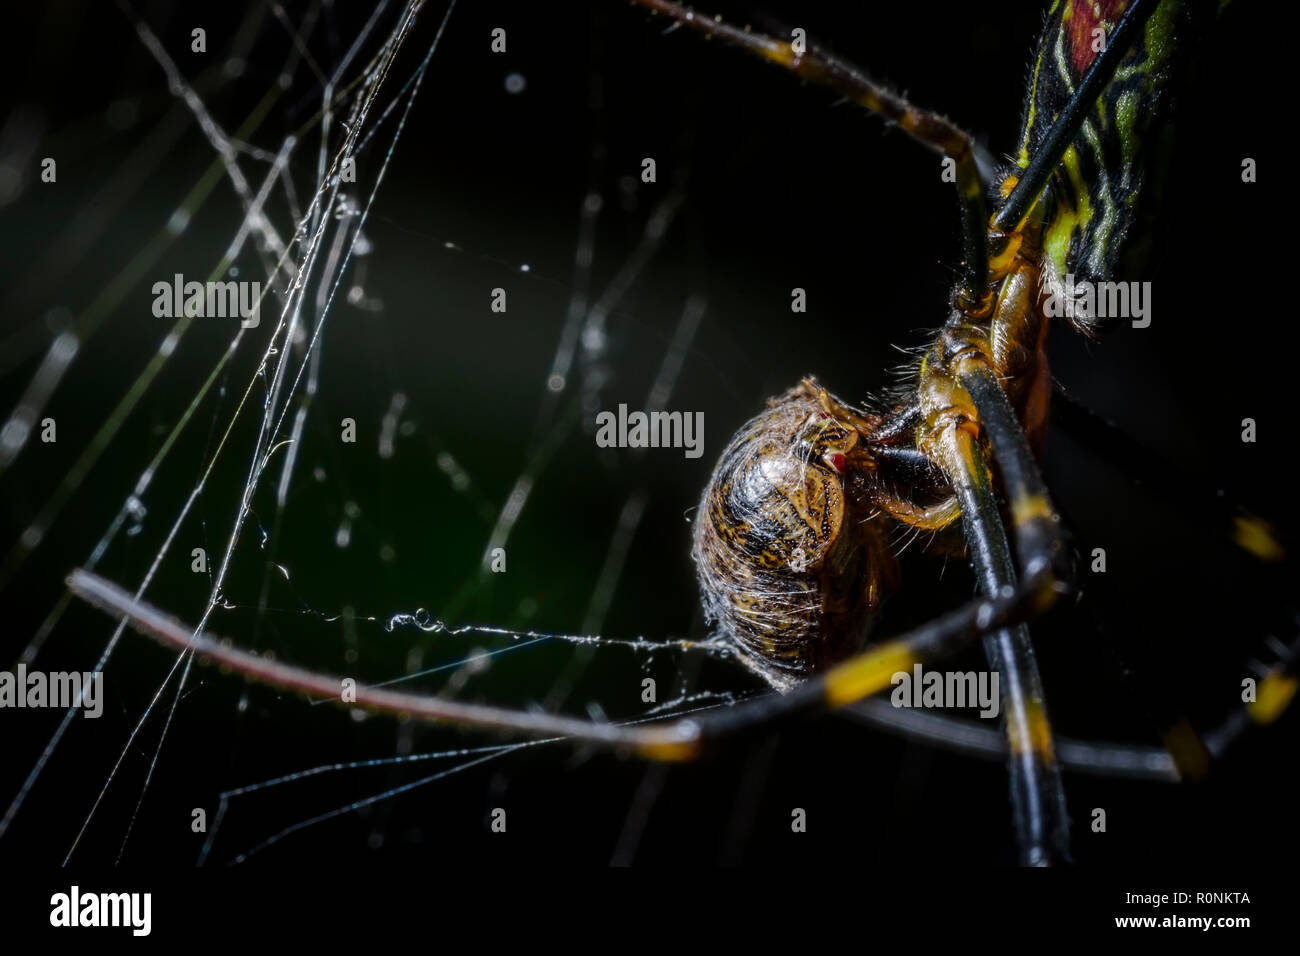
789 563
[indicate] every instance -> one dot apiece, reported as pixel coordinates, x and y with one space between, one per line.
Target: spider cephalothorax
791 566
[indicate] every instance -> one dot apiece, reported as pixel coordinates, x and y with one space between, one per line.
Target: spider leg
1185 755
1037 797
1093 757
1041 168
670 739
1232 517
954 418
1231 520
1099 758
1277 689
1034 519
926 127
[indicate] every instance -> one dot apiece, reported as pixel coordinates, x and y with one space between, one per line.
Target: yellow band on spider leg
1276 691
1257 536
1028 508
668 752
1184 744
1038 732
868 673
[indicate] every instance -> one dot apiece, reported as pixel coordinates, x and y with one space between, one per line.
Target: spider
943 456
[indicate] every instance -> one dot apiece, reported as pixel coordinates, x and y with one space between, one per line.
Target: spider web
308 240
373 559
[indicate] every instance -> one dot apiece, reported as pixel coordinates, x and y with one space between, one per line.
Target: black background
784 187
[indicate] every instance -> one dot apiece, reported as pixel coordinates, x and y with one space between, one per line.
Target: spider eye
836 461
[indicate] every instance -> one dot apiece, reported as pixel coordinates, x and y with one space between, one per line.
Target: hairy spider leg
672 739
926 127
